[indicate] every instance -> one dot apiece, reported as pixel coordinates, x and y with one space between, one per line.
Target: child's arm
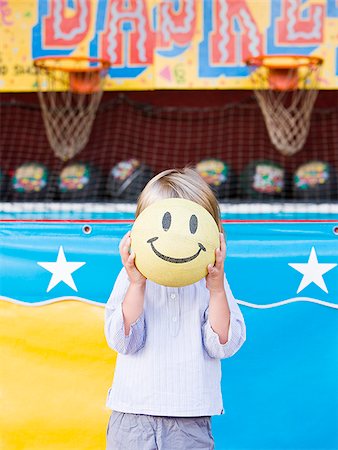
219 312
124 321
224 328
133 302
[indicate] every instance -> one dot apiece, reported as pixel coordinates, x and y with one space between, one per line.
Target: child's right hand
128 260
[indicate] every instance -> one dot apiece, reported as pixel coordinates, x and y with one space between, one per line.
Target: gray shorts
142 432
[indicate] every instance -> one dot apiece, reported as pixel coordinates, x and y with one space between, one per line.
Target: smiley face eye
193 224
166 221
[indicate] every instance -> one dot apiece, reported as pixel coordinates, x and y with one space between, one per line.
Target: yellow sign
156 44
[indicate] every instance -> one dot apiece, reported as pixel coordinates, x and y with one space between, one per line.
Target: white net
286 96
69 93
137 134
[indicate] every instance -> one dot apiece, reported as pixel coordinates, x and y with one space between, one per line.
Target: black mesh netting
239 160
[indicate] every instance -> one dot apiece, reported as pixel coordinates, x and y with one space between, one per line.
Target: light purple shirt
169 364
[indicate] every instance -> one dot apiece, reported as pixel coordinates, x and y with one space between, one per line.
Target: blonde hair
180 183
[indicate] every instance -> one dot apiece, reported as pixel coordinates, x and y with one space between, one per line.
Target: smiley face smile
174 260
174 240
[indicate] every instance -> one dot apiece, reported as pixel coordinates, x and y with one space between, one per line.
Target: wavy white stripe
113 30
240 302
141 44
291 13
223 31
236 208
253 36
52 300
169 26
59 34
286 302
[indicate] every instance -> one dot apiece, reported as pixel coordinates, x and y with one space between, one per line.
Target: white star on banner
312 271
61 270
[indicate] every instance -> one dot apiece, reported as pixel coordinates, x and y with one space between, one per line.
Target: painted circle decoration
74 177
127 179
213 171
30 177
124 169
268 178
263 179
315 180
219 175
174 240
311 174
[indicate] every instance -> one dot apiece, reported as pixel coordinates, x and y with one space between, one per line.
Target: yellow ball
174 240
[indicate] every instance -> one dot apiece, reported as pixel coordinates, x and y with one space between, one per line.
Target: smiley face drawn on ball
166 224
174 240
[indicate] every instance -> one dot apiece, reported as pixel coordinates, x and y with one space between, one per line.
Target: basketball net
286 90
69 90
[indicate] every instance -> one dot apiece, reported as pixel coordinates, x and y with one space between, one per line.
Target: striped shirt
169 364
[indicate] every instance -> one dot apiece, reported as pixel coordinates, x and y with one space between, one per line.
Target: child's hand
128 260
215 277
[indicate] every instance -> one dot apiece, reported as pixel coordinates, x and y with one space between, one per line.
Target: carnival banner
166 44
279 391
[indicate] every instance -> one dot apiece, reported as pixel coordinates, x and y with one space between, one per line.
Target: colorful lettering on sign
62 25
235 35
301 26
295 28
128 32
176 26
230 35
124 37
64 30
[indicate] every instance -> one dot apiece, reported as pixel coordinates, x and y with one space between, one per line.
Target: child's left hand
215 277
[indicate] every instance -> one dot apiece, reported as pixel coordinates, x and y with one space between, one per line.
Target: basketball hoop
286 88
69 89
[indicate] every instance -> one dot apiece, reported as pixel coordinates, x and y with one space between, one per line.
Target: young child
170 341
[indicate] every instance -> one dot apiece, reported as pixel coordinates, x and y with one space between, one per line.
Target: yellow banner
56 369
166 44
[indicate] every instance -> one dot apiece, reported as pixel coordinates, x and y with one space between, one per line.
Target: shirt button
174 319
173 296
